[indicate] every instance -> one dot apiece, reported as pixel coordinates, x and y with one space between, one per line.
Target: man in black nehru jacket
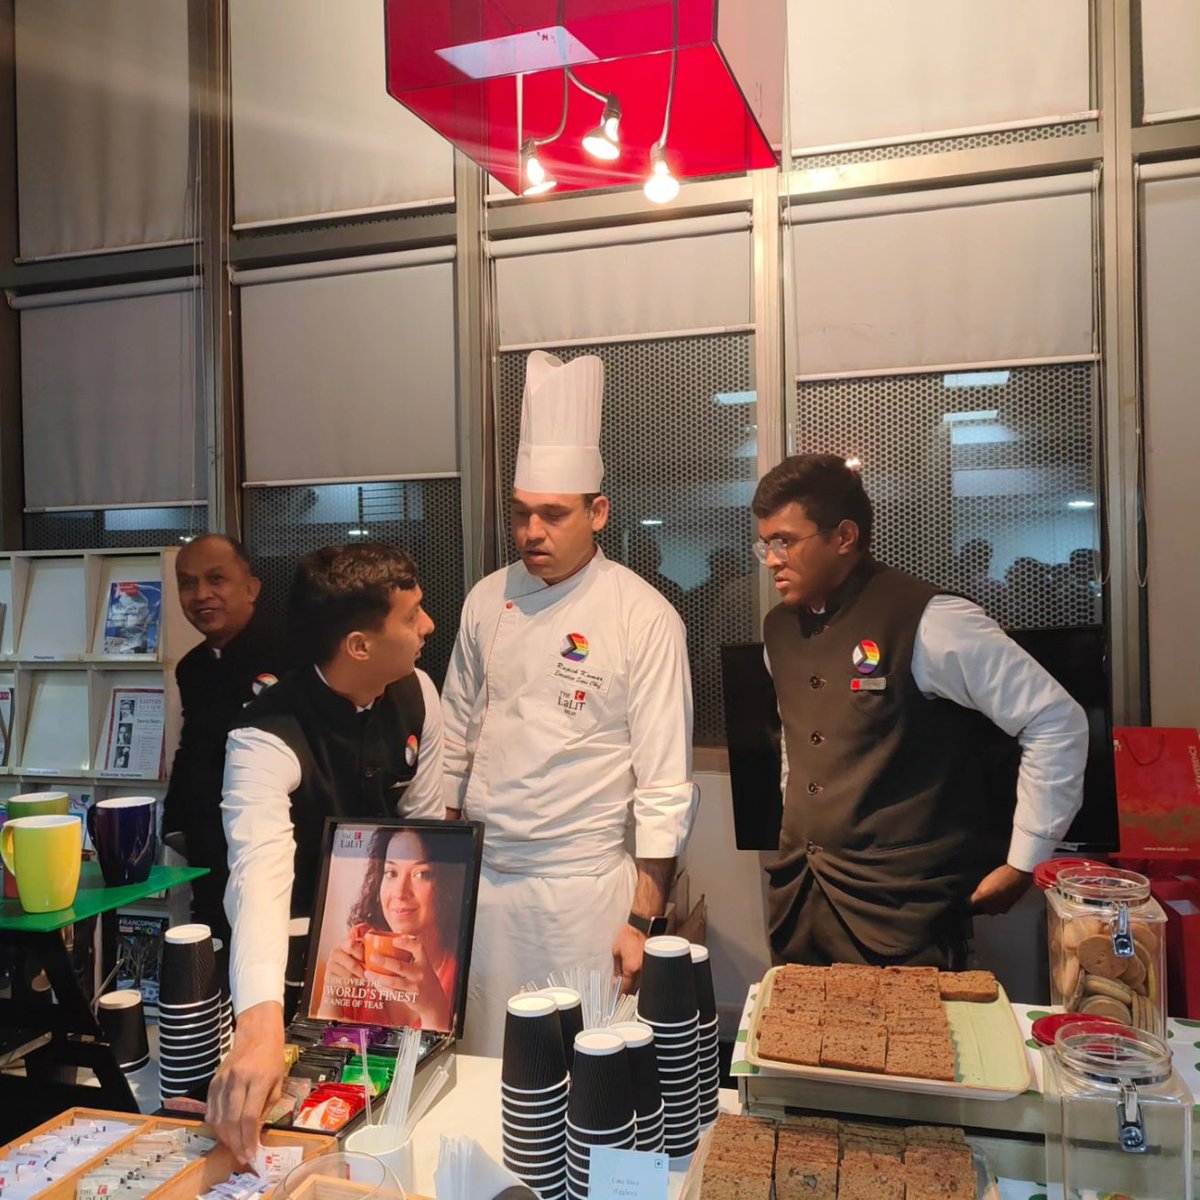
885 684
358 734
241 655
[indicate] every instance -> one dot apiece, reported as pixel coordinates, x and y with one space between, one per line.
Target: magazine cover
6 708
139 943
397 911
131 623
133 745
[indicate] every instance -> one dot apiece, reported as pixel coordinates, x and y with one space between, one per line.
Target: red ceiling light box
495 75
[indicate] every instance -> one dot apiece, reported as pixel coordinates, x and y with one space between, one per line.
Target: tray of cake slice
817 1158
911 1029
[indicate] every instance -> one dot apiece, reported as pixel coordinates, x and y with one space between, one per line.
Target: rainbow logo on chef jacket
411 747
865 657
574 647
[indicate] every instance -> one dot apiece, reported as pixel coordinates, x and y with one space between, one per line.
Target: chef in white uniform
568 715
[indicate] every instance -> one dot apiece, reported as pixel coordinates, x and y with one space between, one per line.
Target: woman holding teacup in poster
397 963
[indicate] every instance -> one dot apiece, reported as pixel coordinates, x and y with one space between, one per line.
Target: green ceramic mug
37 804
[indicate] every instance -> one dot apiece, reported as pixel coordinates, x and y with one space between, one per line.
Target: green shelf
94 898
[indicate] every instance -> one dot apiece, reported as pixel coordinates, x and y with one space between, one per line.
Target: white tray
986 1186
990 1062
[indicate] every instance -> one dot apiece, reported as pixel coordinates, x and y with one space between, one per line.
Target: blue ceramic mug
124 831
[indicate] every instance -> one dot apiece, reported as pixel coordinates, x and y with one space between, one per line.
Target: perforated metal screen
984 482
113 528
680 449
944 145
423 517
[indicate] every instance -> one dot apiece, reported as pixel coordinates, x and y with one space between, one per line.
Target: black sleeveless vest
883 783
352 764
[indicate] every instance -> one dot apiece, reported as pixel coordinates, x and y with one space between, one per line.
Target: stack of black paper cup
189 1011
710 1051
123 1021
570 1015
533 1095
222 969
601 1111
647 1098
667 1003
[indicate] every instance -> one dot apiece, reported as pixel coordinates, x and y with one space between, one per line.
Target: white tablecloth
472 1107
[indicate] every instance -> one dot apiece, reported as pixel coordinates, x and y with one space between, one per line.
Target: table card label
628 1175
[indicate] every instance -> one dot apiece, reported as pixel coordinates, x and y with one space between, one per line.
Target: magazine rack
58 675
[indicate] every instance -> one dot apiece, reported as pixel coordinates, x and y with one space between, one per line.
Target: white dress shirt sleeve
423 798
460 692
261 772
962 655
783 763
660 738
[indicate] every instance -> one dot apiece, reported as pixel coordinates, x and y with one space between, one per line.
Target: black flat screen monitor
1077 657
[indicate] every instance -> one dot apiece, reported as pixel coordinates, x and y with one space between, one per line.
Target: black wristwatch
650 926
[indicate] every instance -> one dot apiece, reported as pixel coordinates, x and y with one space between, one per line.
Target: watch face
658 926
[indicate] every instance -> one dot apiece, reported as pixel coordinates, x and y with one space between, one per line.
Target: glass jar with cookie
1107 946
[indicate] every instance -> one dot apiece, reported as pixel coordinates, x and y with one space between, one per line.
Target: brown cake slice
922 1057
869 1176
945 1172
724 1180
934 1135
861 1048
978 987
791 1043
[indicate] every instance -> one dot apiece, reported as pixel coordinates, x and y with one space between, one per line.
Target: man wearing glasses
884 684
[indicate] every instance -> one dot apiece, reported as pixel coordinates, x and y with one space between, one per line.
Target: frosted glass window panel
110 400
1170 59
57 736
350 376
973 276
102 124
54 624
901 70
1171 358
680 285
314 131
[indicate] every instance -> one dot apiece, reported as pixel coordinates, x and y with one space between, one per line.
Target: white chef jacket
563 705
261 772
960 654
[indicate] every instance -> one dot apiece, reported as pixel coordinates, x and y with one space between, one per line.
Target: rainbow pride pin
574 647
865 657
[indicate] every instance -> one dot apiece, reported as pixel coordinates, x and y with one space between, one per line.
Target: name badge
577 677
869 684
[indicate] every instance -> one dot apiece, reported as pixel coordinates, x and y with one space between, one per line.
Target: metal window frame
1117 146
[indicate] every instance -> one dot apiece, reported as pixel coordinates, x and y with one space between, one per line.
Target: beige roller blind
109 400
350 375
998 273
892 70
314 131
102 124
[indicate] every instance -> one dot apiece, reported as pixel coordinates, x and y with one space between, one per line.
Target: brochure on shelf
132 618
6 708
133 746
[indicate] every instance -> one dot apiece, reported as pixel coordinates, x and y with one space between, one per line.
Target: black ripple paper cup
706 1000
189 967
532 1058
668 988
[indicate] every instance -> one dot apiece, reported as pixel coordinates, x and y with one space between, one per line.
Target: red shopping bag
1158 792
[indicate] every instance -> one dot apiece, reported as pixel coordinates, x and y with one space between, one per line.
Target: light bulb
604 141
662 187
534 173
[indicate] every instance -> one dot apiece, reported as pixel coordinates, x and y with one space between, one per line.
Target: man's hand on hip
627 956
1000 890
249 1081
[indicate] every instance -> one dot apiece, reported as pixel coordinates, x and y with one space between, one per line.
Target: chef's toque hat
560 425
